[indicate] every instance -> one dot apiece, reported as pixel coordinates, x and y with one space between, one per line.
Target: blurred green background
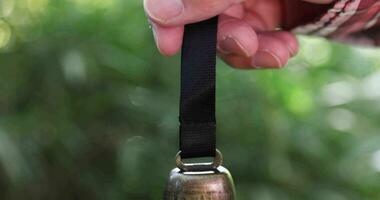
88 110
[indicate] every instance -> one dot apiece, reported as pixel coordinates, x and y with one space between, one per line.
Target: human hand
248 35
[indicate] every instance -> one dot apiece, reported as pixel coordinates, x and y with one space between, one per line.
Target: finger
257 22
236 61
168 39
236 11
272 52
319 1
264 14
180 12
237 37
287 38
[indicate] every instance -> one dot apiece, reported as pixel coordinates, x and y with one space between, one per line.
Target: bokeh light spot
37 6
315 51
74 67
300 101
370 86
341 119
375 161
371 53
5 34
338 93
6 7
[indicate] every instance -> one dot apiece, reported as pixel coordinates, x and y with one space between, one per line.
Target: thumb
180 12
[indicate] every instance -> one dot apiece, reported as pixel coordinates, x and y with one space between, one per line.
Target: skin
248 32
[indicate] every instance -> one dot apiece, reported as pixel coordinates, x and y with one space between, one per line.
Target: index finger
180 12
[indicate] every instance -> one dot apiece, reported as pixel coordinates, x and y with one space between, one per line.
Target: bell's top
215 184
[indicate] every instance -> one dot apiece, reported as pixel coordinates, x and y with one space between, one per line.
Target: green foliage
88 110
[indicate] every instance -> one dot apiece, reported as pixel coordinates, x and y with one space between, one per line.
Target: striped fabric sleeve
355 21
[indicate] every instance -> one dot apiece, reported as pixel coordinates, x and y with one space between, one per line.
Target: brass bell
201 181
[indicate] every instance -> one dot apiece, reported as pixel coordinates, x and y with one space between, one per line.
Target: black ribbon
197 104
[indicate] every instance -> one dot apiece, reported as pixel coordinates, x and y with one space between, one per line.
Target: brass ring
218 159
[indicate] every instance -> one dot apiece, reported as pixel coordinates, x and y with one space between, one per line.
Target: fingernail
230 45
266 58
163 10
292 51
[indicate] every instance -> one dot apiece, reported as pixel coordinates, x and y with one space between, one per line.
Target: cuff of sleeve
345 20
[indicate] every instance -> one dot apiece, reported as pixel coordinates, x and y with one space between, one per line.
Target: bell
202 181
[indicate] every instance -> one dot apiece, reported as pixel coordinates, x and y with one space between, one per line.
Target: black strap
197 106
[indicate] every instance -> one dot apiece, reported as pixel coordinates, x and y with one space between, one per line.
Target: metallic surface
200 185
218 160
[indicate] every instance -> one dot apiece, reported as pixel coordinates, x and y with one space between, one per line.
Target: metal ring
218 159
